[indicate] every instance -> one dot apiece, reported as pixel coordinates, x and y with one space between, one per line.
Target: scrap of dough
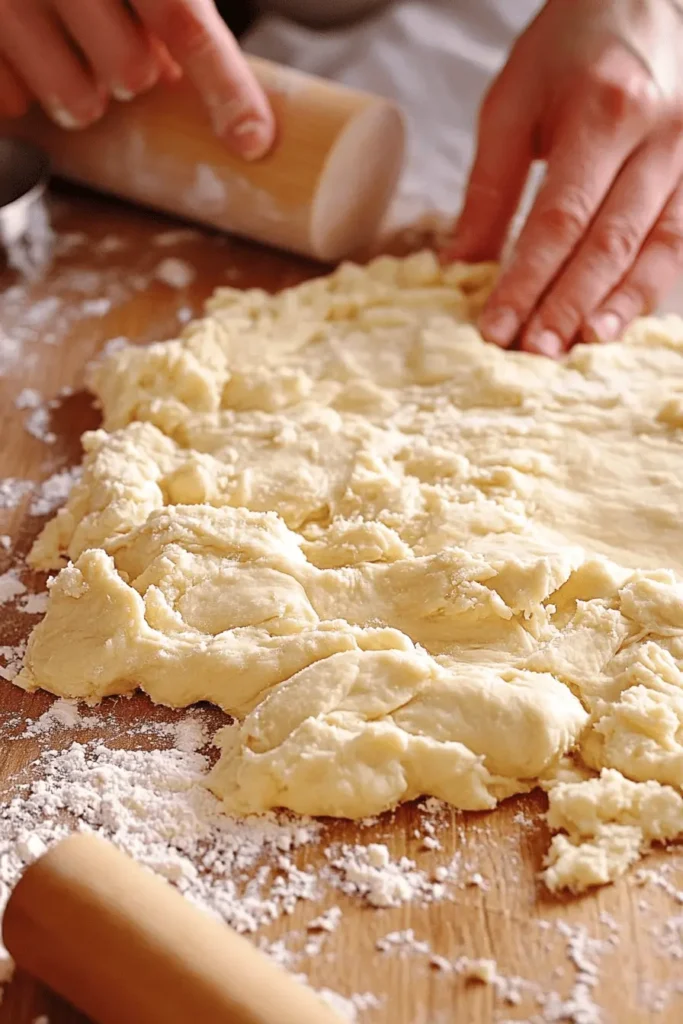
607 823
407 561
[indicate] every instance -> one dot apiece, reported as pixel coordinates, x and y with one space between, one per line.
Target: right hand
74 56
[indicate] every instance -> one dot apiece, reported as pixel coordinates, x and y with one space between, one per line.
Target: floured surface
611 956
415 563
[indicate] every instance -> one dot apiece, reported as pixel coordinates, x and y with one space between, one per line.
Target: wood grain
513 920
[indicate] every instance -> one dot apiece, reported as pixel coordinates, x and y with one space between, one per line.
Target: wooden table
512 919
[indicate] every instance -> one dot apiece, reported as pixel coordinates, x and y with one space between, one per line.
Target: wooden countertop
109 251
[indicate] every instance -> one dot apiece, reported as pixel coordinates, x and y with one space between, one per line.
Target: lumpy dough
407 562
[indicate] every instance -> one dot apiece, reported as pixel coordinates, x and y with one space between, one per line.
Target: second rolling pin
124 946
321 192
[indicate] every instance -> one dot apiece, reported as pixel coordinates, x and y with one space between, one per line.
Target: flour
349 1008
154 806
62 714
11 586
328 921
13 491
207 193
110 243
403 942
10 352
584 952
34 604
369 872
13 658
174 272
30 252
95 307
38 425
53 492
173 237
28 398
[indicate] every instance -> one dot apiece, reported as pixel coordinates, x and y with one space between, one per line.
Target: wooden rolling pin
126 948
321 192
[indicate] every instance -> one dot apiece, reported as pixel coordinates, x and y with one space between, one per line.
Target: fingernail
125 93
120 93
72 119
499 326
604 327
250 138
63 117
547 343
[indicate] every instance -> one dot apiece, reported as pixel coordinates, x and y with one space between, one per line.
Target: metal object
24 229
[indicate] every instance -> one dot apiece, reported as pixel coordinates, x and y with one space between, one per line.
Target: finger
14 99
116 47
611 244
501 165
35 46
203 46
169 70
591 144
653 274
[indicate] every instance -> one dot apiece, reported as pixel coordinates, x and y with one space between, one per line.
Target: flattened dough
408 562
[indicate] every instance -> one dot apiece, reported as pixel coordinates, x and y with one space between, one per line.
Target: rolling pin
321 192
125 947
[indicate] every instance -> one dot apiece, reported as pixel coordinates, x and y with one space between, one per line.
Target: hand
595 88
74 55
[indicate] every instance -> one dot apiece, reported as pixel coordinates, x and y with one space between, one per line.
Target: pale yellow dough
407 561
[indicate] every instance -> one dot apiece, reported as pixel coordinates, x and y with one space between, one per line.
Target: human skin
593 88
73 57
596 91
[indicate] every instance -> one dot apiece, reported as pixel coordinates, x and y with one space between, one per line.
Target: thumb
501 165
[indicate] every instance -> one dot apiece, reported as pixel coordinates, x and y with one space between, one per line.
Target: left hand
596 90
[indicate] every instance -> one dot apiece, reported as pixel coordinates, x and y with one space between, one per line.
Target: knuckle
565 215
636 297
669 235
616 241
620 87
560 314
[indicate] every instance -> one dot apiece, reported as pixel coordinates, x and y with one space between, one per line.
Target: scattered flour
38 425
110 243
178 236
95 307
13 658
54 491
154 806
62 714
328 921
28 398
403 942
13 491
114 344
34 604
175 273
349 1008
11 586
369 872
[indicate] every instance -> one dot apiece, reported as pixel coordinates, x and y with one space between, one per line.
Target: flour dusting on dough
408 562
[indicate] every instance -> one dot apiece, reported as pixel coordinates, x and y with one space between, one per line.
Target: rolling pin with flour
322 191
126 948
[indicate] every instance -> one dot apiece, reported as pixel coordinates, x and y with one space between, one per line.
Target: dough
407 561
